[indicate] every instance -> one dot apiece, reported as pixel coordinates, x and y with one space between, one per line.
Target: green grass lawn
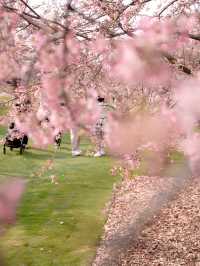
58 224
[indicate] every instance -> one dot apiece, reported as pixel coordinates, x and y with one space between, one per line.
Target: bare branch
12 9
194 36
172 60
36 21
30 8
166 7
23 28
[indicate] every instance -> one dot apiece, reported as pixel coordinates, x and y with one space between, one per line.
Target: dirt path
149 224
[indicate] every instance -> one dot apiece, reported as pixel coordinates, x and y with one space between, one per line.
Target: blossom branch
166 7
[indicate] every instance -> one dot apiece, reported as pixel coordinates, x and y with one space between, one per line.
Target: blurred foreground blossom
10 194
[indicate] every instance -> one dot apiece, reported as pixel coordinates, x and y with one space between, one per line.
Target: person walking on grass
100 127
75 141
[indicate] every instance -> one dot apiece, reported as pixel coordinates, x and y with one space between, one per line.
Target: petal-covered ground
153 221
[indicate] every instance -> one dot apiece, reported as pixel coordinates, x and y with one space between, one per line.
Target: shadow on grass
37 156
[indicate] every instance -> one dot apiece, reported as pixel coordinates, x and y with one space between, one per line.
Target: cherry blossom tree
141 54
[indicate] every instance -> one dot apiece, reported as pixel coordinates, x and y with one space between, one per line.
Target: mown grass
56 224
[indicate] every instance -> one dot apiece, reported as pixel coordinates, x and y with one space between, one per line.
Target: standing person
75 141
99 127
